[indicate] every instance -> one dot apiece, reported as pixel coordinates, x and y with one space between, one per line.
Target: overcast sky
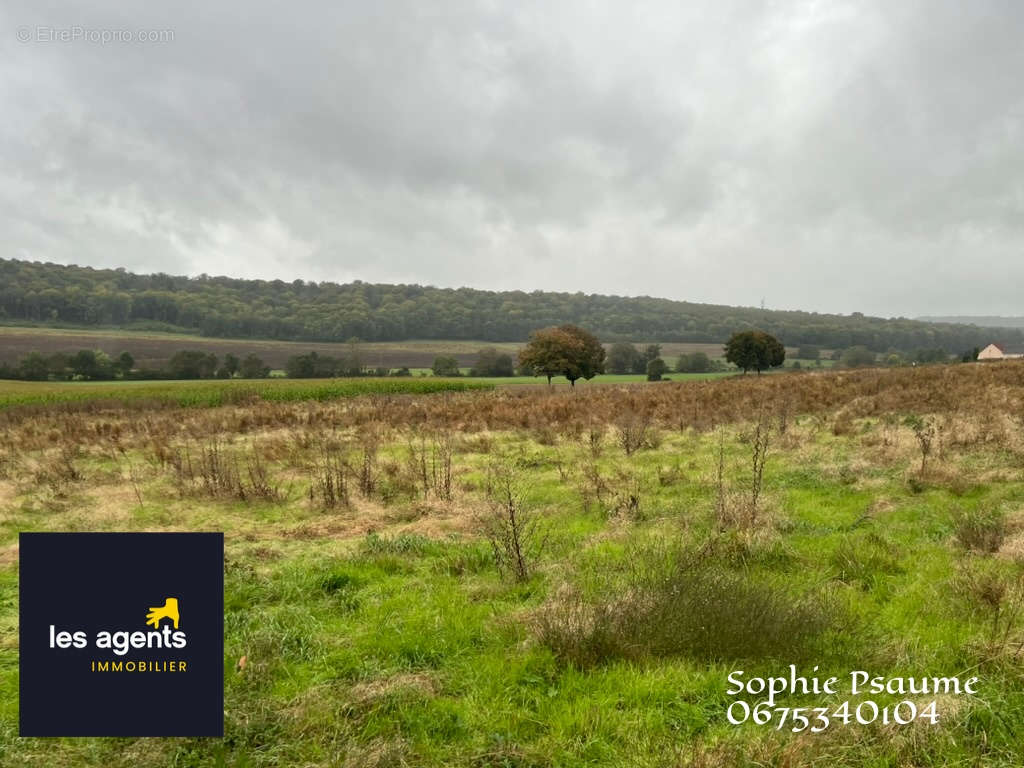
861 156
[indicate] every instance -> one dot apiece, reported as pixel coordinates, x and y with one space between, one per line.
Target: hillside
72 296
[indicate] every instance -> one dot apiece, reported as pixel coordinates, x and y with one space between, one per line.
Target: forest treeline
72 296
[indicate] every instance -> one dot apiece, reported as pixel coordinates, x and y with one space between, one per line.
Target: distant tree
125 363
755 350
253 367
808 352
645 356
651 352
445 365
301 366
403 371
857 357
33 367
622 357
313 366
231 364
656 368
92 364
192 364
696 362
491 362
83 364
566 350
59 366
353 364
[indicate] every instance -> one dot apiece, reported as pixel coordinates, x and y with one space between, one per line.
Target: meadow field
518 576
216 392
153 349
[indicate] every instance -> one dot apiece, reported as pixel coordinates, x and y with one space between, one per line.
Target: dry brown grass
984 403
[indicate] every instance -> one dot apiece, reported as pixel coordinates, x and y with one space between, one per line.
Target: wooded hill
72 296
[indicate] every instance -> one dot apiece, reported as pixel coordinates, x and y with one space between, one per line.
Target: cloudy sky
831 156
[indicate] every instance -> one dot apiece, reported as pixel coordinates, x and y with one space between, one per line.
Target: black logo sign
122 634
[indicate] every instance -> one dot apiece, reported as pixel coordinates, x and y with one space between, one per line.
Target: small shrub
329 484
843 425
634 430
927 435
863 560
980 530
999 598
512 529
685 605
402 544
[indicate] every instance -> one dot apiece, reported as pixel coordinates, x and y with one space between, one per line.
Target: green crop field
215 392
209 393
669 535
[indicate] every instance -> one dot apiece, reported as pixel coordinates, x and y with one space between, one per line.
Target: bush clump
686 605
980 530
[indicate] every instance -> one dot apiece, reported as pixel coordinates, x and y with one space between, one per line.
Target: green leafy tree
695 362
125 363
252 367
656 368
566 350
445 365
231 365
755 350
92 364
192 364
491 362
301 366
33 367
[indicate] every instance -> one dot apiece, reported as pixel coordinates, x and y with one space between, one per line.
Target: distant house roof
1010 349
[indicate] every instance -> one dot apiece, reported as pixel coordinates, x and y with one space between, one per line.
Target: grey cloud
831 156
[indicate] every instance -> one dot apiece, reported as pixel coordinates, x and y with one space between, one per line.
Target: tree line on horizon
73 296
97 365
565 350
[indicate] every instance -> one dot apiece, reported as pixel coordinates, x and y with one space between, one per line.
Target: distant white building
999 352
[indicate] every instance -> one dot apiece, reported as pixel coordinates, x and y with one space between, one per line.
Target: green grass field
217 392
212 393
379 631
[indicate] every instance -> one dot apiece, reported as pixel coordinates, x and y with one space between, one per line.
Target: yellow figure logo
168 611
